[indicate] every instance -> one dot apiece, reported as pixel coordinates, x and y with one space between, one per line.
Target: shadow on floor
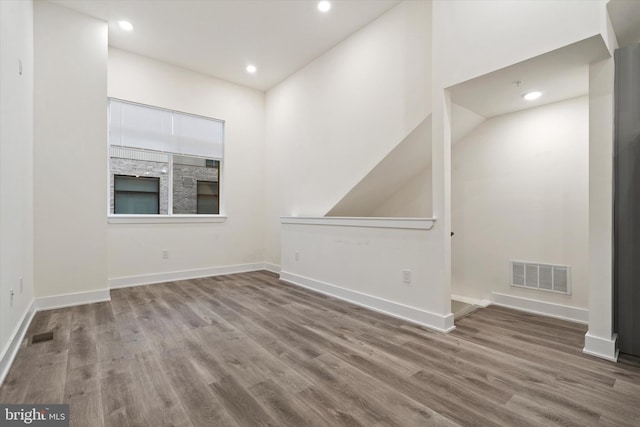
462 309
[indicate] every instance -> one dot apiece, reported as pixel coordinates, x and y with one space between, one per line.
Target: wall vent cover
188 181
543 277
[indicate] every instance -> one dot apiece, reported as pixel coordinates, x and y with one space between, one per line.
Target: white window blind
140 126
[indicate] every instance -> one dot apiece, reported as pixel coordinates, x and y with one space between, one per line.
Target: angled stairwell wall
330 123
327 127
400 184
389 265
407 159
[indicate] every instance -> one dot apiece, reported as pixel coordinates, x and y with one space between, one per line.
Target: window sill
164 219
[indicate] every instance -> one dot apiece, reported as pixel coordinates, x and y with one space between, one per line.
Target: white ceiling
625 18
221 37
560 74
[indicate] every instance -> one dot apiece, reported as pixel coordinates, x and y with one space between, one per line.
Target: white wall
600 340
520 192
136 249
16 169
70 137
363 262
412 200
473 37
330 123
398 168
415 197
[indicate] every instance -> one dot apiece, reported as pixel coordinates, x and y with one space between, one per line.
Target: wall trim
72 299
274 268
382 222
410 314
11 349
148 279
559 311
473 301
604 348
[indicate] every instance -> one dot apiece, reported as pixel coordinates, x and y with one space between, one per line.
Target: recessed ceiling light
125 25
324 6
530 96
251 69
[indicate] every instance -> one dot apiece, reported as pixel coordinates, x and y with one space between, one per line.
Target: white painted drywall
413 199
520 192
365 265
477 37
330 123
398 167
599 339
70 136
16 167
474 38
136 249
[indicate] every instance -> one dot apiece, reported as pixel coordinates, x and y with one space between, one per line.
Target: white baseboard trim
148 279
12 347
390 308
559 311
473 301
604 348
271 267
70 300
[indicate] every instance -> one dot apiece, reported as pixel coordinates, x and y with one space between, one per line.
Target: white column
600 340
441 182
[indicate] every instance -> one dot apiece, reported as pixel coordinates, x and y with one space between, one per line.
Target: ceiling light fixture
125 25
531 96
251 69
324 6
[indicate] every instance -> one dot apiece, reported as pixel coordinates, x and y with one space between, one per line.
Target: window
136 195
208 197
163 158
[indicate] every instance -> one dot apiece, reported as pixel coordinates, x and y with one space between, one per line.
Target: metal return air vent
543 277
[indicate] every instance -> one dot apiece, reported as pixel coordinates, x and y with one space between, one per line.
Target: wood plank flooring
249 350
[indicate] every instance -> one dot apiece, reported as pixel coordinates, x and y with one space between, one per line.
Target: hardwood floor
249 350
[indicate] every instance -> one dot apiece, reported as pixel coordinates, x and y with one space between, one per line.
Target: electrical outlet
165 254
406 276
297 254
21 285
